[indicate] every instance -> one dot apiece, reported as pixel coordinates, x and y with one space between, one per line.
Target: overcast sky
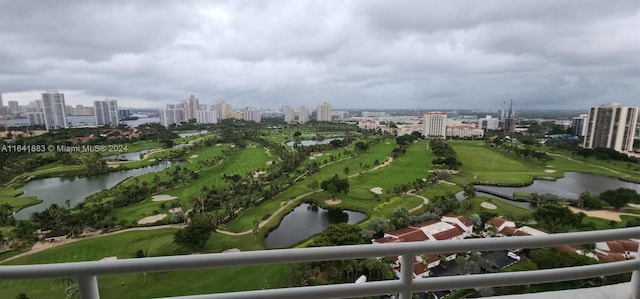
354 54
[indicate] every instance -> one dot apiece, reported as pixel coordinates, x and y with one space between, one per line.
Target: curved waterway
570 186
75 189
306 220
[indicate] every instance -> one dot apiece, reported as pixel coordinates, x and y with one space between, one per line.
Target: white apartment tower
611 126
435 125
303 114
106 112
206 117
289 114
55 115
324 112
170 116
251 113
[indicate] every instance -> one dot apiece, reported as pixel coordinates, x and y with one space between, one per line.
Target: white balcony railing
86 272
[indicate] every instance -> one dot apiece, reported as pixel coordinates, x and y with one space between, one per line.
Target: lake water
306 220
131 156
570 186
312 142
57 190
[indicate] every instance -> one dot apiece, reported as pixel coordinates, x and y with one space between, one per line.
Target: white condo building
435 125
303 114
324 112
169 116
106 112
55 115
611 126
252 114
289 114
206 117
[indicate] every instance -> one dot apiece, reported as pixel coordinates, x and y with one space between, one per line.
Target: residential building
303 114
193 105
489 123
225 111
464 131
35 106
324 112
289 114
611 126
55 114
435 125
123 113
1 102
252 114
367 114
169 116
35 118
106 112
206 117
80 110
578 125
13 107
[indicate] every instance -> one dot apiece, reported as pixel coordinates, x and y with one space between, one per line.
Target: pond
131 156
189 134
570 186
312 142
57 190
306 220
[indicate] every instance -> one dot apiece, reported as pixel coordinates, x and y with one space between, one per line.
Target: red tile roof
509 231
414 236
497 221
449 234
629 245
423 224
615 247
566 249
386 240
605 258
419 268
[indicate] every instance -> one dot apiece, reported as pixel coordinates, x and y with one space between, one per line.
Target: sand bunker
318 154
488 206
269 162
218 144
549 170
312 158
193 156
231 250
258 173
152 219
175 210
162 197
376 190
604 214
333 201
109 258
633 205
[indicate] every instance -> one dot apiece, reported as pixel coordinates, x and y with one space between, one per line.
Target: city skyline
354 54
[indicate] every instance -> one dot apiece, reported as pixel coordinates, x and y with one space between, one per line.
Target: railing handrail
407 250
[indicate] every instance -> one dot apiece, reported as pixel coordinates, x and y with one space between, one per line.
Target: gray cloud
405 54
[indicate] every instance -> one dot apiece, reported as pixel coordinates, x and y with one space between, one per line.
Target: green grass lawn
483 163
140 285
505 209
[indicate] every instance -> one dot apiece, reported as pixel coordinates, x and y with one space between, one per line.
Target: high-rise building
225 111
509 120
1 102
435 125
578 125
611 126
192 106
324 112
106 112
170 116
289 114
252 114
35 106
303 114
55 115
206 117
35 118
13 107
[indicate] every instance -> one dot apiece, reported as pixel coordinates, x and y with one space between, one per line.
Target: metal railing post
406 275
635 281
88 286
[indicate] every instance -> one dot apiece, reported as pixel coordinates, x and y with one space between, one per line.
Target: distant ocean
88 120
